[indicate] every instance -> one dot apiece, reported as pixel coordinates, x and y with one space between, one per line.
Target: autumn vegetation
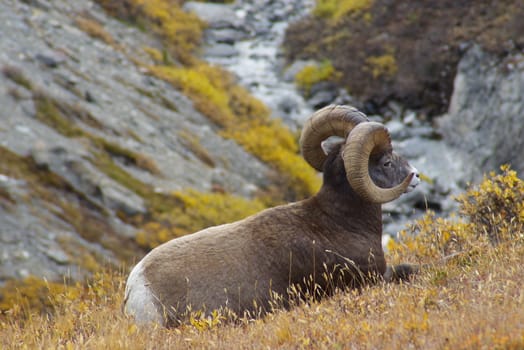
468 294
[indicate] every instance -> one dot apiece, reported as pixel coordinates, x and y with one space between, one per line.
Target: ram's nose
415 180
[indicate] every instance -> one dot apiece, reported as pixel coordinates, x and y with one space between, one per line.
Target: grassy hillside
468 296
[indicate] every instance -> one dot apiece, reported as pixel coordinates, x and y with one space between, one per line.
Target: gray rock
393 110
220 50
225 35
57 256
410 118
70 164
438 161
322 94
51 59
486 114
217 16
120 199
397 129
424 131
322 99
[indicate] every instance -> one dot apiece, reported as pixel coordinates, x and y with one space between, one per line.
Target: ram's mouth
410 188
415 181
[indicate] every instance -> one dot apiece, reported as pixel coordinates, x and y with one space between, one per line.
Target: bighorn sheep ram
242 265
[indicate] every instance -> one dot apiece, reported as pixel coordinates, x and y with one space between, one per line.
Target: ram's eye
388 164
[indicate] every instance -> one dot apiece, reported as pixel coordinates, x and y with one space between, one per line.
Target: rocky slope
115 115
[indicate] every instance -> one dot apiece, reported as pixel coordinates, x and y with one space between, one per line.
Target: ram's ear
330 144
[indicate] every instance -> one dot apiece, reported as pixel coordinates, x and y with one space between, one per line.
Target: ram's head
372 169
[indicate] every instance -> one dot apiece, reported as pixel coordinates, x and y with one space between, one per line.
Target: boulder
217 16
485 119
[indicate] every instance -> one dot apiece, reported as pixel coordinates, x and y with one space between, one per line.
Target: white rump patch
139 299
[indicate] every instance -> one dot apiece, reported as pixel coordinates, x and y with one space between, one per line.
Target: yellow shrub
274 144
245 106
208 209
490 212
312 74
182 31
382 66
336 9
155 54
202 87
244 119
496 206
431 238
33 294
197 211
216 95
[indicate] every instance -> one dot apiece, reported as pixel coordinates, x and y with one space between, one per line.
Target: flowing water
257 59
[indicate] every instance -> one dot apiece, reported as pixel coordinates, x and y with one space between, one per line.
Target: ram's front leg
401 272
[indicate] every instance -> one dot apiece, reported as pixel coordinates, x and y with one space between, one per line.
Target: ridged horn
332 120
367 139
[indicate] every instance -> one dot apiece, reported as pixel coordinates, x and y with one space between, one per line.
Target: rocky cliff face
75 111
486 115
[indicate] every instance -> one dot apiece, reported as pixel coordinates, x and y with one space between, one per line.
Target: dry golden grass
468 296
94 29
447 307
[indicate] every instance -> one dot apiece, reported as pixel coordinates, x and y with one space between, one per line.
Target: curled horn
367 139
333 120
